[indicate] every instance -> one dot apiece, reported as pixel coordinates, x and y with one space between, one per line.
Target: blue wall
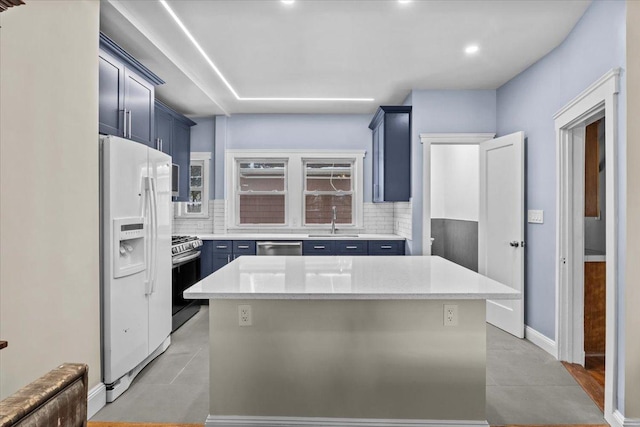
528 103
443 111
293 131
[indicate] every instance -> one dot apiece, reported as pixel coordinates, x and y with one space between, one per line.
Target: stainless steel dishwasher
278 248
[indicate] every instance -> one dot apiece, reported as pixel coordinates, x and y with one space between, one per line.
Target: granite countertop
285 236
347 278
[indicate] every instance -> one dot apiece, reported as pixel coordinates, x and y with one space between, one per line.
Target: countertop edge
277 296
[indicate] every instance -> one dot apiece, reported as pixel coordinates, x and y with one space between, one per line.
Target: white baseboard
239 421
542 341
621 421
96 399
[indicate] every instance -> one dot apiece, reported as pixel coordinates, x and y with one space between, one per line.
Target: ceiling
379 49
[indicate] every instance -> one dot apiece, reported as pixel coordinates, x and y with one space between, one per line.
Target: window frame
295 184
306 192
181 207
238 192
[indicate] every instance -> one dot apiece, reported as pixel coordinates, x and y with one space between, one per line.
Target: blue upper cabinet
391 132
111 95
173 136
126 95
164 128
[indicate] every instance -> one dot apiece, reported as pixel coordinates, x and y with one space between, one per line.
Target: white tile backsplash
219 216
190 226
402 213
379 218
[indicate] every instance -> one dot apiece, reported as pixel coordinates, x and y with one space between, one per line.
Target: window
328 185
294 189
261 193
198 204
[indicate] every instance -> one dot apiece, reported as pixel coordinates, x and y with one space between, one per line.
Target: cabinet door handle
221 247
158 146
130 120
124 118
318 247
385 247
352 247
228 258
243 246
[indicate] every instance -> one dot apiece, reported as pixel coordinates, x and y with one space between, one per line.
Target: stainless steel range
185 258
184 249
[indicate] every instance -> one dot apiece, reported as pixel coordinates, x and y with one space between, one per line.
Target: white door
501 226
160 286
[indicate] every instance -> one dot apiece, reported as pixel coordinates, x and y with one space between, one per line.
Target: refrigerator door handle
154 244
148 206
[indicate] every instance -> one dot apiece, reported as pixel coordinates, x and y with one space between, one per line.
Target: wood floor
591 380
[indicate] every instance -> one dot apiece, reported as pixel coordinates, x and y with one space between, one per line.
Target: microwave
175 180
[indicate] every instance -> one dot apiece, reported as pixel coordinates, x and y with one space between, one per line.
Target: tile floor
525 385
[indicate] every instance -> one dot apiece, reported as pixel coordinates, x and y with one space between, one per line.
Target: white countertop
347 278
285 236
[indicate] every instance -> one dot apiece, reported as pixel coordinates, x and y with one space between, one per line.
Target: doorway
455 202
588 243
437 140
596 102
484 183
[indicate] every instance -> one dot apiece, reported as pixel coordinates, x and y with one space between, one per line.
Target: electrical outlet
450 315
245 318
535 216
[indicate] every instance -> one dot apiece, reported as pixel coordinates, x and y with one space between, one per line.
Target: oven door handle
181 260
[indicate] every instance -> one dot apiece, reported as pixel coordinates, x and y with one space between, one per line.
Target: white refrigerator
136 259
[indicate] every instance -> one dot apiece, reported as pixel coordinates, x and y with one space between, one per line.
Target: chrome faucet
334 216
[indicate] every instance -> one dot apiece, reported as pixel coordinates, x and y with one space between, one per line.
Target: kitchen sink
323 236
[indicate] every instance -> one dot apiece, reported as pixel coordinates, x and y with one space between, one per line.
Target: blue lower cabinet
206 259
244 247
386 247
220 260
222 246
225 251
222 253
218 253
351 247
318 247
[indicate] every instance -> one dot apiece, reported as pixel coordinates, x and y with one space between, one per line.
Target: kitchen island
343 341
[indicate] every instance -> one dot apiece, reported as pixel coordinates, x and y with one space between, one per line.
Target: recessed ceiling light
287 1
404 1
471 49
193 40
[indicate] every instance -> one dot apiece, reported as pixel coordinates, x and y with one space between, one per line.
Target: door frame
427 139
600 97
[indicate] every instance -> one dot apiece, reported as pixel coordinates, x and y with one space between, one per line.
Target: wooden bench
59 398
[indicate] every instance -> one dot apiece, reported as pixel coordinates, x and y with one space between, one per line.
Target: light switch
535 217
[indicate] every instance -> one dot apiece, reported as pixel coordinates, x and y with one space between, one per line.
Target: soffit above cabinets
338 49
